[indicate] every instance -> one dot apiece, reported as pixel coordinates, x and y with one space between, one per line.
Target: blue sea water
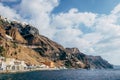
71 74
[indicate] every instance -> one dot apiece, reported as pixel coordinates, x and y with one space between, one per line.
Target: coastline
29 70
44 69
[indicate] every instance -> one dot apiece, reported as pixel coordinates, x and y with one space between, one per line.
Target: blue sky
93 26
10 3
95 6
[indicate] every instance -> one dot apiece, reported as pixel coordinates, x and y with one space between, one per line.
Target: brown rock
2 32
14 33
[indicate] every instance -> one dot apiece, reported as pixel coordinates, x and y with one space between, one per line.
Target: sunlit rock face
32 47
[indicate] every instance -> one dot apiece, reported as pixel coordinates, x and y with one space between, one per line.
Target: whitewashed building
2 63
10 64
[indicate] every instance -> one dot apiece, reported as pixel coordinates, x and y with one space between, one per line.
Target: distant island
23 47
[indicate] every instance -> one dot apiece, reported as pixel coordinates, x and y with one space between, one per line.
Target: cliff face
2 31
14 33
95 62
13 45
34 48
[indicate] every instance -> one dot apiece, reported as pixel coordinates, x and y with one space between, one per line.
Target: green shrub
1 23
2 50
0 38
15 45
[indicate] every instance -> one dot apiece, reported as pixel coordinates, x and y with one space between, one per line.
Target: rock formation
33 48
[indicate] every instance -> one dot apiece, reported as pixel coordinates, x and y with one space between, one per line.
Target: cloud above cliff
38 13
92 33
9 13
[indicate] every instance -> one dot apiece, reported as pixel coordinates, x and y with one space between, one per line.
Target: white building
2 63
10 64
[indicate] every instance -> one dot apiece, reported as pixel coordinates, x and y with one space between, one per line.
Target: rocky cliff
28 45
87 61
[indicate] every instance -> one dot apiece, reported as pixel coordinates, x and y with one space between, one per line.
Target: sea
68 74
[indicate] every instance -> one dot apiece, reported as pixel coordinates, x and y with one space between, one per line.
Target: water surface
64 75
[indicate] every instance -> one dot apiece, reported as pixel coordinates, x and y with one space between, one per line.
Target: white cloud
39 12
73 18
107 26
67 35
8 12
68 28
93 38
116 10
103 39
